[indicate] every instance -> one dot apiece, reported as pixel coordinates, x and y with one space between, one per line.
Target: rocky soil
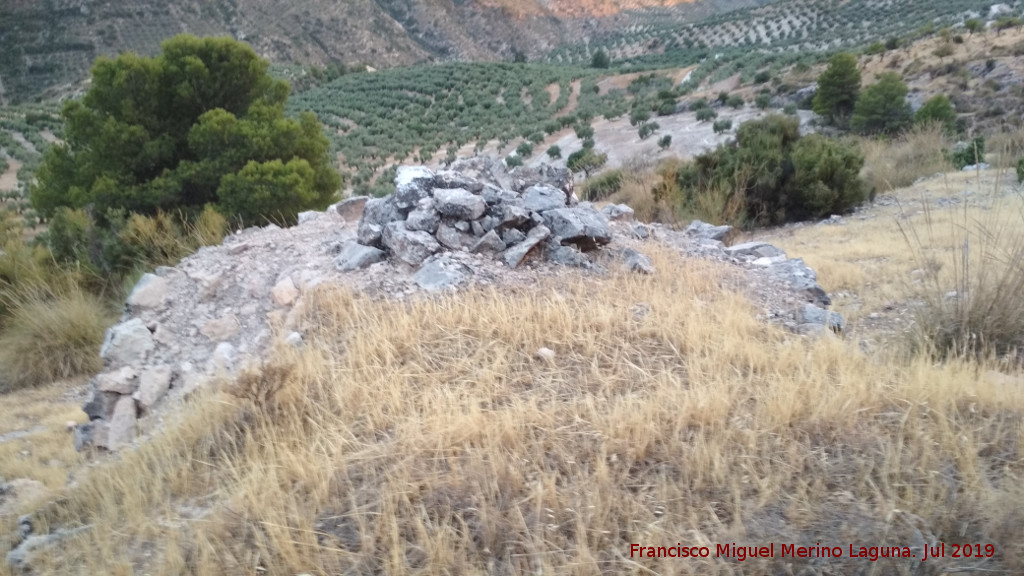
476 225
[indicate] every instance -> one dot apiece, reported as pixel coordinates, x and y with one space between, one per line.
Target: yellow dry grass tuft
899 163
47 339
431 438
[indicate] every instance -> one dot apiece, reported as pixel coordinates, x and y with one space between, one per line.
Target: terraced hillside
776 27
47 46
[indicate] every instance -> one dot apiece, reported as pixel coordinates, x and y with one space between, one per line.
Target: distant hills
47 46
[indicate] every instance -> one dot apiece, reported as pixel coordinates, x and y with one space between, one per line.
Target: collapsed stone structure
215 313
433 213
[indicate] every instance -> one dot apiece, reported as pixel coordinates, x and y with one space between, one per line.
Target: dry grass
900 162
428 438
47 339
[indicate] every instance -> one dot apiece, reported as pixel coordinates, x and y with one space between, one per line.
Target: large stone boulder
583 226
412 184
411 247
541 198
459 203
515 255
127 343
355 256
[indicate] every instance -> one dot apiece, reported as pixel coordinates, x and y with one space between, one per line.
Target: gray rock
126 343
122 381
477 228
101 405
355 256
461 226
583 226
803 279
515 255
452 179
512 236
641 232
459 203
122 424
351 209
222 363
542 198
490 242
635 261
425 218
618 212
698 229
810 314
495 196
754 250
973 167
412 183
307 216
512 216
567 256
85 435
453 239
408 246
153 384
488 223
377 214
440 274
150 292
294 339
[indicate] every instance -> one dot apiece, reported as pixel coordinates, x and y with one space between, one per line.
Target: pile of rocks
450 211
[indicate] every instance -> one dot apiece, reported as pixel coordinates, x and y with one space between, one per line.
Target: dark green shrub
735 101
969 154
763 101
762 77
789 109
721 126
882 108
586 160
648 128
554 152
524 149
513 161
771 175
1020 170
937 109
603 185
706 114
665 141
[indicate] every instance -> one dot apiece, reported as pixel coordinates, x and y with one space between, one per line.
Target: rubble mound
214 314
479 210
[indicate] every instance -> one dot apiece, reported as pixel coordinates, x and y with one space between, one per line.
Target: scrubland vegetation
430 437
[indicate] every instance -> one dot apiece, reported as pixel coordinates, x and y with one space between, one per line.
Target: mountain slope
48 46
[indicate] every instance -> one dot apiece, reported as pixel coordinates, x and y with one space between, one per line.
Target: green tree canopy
600 60
183 130
838 88
883 107
938 108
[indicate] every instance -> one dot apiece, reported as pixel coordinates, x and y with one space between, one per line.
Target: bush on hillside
190 127
771 175
554 152
838 88
706 114
602 186
966 155
721 126
586 160
939 109
1020 170
665 141
882 108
